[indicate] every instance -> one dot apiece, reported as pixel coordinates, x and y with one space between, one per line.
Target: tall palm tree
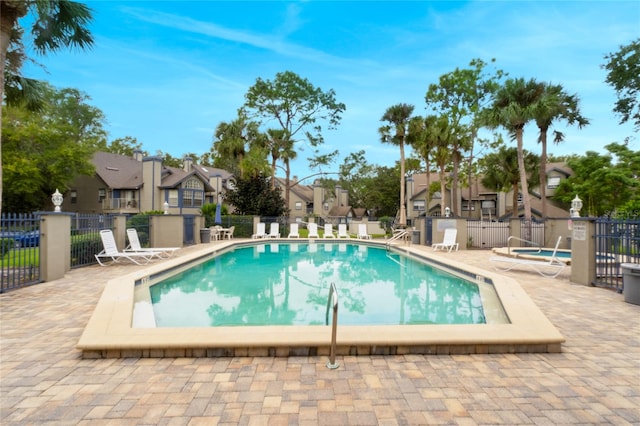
440 132
275 141
398 118
514 105
56 24
234 139
502 173
555 104
423 145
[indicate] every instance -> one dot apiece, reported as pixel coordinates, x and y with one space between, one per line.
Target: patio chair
362 232
260 231
216 232
110 251
274 230
293 231
548 269
135 246
328 231
448 242
342 231
313 230
229 232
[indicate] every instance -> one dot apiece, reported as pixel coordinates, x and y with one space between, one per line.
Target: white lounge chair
448 242
342 231
550 268
328 231
313 230
110 251
274 230
260 231
362 232
293 231
135 246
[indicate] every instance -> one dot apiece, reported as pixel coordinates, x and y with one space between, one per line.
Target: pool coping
109 333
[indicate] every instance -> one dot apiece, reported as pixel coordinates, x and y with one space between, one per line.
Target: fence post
583 251
120 231
168 230
55 245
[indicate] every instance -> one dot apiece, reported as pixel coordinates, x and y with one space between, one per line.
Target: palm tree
234 139
440 132
423 145
398 118
56 24
555 104
514 105
502 173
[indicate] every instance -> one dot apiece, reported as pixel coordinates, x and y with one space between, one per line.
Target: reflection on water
288 284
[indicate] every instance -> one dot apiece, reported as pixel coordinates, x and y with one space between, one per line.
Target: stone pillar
120 231
55 245
583 251
167 230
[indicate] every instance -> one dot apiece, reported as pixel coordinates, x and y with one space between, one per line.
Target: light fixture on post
576 205
57 199
166 207
447 211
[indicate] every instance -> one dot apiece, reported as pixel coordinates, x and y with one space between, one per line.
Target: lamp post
57 199
166 207
447 212
576 205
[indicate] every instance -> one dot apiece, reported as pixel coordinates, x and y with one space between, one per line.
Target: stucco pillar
120 231
583 251
55 245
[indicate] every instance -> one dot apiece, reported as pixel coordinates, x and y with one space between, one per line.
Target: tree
623 74
45 150
514 105
123 146
233 141
440 132
253 196
554 105
56 24
298 108
356 176
501 171
395 132
461 95
604 186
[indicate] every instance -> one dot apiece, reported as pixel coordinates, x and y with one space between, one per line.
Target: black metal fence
85 237
20 250
617 242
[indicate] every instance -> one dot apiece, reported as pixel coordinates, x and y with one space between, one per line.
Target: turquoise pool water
544 252
288 284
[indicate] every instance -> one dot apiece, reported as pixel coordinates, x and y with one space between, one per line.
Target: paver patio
595 380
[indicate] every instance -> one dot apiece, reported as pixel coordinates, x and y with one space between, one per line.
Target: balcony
123 205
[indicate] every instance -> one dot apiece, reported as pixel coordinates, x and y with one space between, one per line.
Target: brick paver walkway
595 380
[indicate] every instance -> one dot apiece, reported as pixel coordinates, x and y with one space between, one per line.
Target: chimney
137 155
187 164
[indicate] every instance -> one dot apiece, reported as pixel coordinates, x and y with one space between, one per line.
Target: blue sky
168 72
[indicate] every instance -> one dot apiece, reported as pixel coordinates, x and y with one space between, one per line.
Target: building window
102 194
418 205
298 205
468 206
172 197
193 183
553 182
74 196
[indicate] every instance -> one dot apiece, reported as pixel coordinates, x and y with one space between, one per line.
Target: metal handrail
522 240
332 301
400 234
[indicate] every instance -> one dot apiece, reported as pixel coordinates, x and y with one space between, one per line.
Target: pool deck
594 380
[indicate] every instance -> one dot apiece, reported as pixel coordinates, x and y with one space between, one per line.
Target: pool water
543 253
288 284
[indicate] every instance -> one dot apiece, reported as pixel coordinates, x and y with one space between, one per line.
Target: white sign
579 231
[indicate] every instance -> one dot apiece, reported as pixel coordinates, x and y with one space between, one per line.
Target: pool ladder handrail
533 243
332 302
402 233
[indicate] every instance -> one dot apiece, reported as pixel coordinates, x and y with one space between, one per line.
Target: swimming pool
288 284
109 332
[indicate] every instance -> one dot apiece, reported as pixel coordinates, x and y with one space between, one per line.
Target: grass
21 257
